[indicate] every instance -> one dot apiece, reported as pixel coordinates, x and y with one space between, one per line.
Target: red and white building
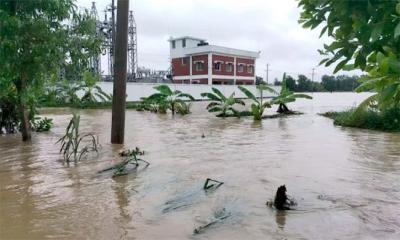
194 61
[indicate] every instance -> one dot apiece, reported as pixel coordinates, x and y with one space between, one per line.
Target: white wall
135 91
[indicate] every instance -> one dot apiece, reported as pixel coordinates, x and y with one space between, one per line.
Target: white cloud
269 26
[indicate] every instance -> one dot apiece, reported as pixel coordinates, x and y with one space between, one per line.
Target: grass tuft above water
387 120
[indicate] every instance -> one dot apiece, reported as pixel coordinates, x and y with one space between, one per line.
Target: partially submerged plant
258 106
71 142
218 217
183 108
222 104
168 98
211 183
42 124
130 158
286 96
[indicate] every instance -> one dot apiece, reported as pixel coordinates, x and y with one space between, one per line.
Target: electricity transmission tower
95 61
132 47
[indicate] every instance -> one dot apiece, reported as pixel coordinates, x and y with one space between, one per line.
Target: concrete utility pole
120 67
266 73
312 79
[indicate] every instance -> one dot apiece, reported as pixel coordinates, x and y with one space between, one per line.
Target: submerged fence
135 91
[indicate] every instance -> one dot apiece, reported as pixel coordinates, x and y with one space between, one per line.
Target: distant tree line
329 83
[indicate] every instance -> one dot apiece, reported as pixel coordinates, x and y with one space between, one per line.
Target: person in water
282 202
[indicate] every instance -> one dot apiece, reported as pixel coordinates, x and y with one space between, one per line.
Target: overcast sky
269 26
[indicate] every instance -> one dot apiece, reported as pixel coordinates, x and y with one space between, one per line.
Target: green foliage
386 120
92 91
36 38
41 124
168 99
258 106
222 104
330 83
9 120
286 96
71 142
183 108
366 36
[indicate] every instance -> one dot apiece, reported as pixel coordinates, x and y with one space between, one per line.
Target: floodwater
346 181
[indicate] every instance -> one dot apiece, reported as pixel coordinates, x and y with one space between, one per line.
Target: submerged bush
41 124
9 117
386 120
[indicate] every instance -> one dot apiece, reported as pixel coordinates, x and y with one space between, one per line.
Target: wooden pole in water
120 68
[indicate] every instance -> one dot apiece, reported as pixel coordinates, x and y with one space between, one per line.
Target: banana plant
171 98
93 92
258 106
286 96
222 104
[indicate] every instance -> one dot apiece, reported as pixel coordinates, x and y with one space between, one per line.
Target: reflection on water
345 181
280 218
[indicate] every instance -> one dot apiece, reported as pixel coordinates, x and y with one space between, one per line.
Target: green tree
329 83
290 83
303 84
366 36
36 37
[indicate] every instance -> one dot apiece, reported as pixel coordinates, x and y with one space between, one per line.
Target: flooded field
346 181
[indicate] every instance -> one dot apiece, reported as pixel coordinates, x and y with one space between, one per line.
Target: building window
240 68
183 43
185 61
173 44
250 69
229 67
217 66
199 66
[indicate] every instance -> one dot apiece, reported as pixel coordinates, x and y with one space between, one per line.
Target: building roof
185 37
220 49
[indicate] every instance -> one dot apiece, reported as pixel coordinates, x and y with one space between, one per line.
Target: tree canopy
366 36
36 38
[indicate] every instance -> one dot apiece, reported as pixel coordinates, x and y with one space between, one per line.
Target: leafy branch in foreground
130 158
222 104
365 36
71 142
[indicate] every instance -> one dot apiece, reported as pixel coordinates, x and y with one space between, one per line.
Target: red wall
244 82
178 69
223 81
224 59
200 58
200 81
245 62
186 81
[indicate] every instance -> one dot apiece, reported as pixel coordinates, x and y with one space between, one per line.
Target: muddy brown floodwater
346 181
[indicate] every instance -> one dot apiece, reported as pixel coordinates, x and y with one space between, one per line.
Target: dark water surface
346 181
